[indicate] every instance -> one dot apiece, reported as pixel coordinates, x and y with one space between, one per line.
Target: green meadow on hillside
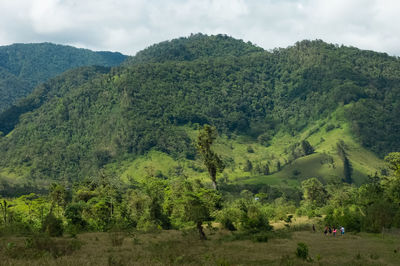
324 163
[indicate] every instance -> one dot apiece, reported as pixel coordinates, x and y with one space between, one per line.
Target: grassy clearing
183 248
324 164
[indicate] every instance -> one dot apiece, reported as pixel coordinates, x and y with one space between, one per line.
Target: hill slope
192 48
271 101
23 66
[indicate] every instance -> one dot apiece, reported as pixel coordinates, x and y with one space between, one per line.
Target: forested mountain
192 48
24 66
83 120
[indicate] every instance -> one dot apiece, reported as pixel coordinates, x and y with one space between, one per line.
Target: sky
129 26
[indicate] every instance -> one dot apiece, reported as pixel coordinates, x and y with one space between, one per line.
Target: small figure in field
341 230
313 228
330 230
326 230
334 231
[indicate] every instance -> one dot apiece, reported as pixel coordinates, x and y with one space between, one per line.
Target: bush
379 215
329 127
53 226
302 251
250 149
253 220
347 217
73 213
227 217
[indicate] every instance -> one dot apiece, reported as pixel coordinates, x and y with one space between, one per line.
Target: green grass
324 164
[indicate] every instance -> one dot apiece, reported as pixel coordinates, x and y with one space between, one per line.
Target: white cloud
131 25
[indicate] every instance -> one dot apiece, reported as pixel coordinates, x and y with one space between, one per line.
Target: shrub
253 220
250 149
73 213
329 127
227 217
53 226
302 251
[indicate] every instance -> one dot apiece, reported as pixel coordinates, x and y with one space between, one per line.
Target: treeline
103 203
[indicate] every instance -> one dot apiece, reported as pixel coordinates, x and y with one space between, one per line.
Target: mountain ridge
24 66
262 95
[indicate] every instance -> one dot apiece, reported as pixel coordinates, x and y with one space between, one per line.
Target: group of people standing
333 230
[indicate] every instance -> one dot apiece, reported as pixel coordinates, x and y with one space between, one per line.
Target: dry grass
177 248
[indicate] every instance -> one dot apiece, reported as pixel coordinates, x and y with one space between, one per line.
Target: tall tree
211 160
189 201
314 191
347 167
58 197
393 182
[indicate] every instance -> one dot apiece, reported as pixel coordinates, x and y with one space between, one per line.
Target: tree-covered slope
56 87
23 66
194 47
110 116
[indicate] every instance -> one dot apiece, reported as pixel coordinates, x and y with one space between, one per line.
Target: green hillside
24 66
192 48
140 119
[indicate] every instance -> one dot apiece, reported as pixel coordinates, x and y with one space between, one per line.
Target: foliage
393 161
73 213
245 214
349 217
211 160
191 202
194 47
231 85
83 129
52 225
314 191
302 250
227 217
24 66
347 168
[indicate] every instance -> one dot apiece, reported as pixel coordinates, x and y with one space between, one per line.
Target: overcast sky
131 25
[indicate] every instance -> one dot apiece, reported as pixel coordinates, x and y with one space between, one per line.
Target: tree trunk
213 175
5 211
214 184
201 232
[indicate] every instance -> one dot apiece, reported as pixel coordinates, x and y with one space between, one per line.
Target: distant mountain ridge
90 118
24 66
194 47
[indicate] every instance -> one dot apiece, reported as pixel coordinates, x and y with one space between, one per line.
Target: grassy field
183 248
324 164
